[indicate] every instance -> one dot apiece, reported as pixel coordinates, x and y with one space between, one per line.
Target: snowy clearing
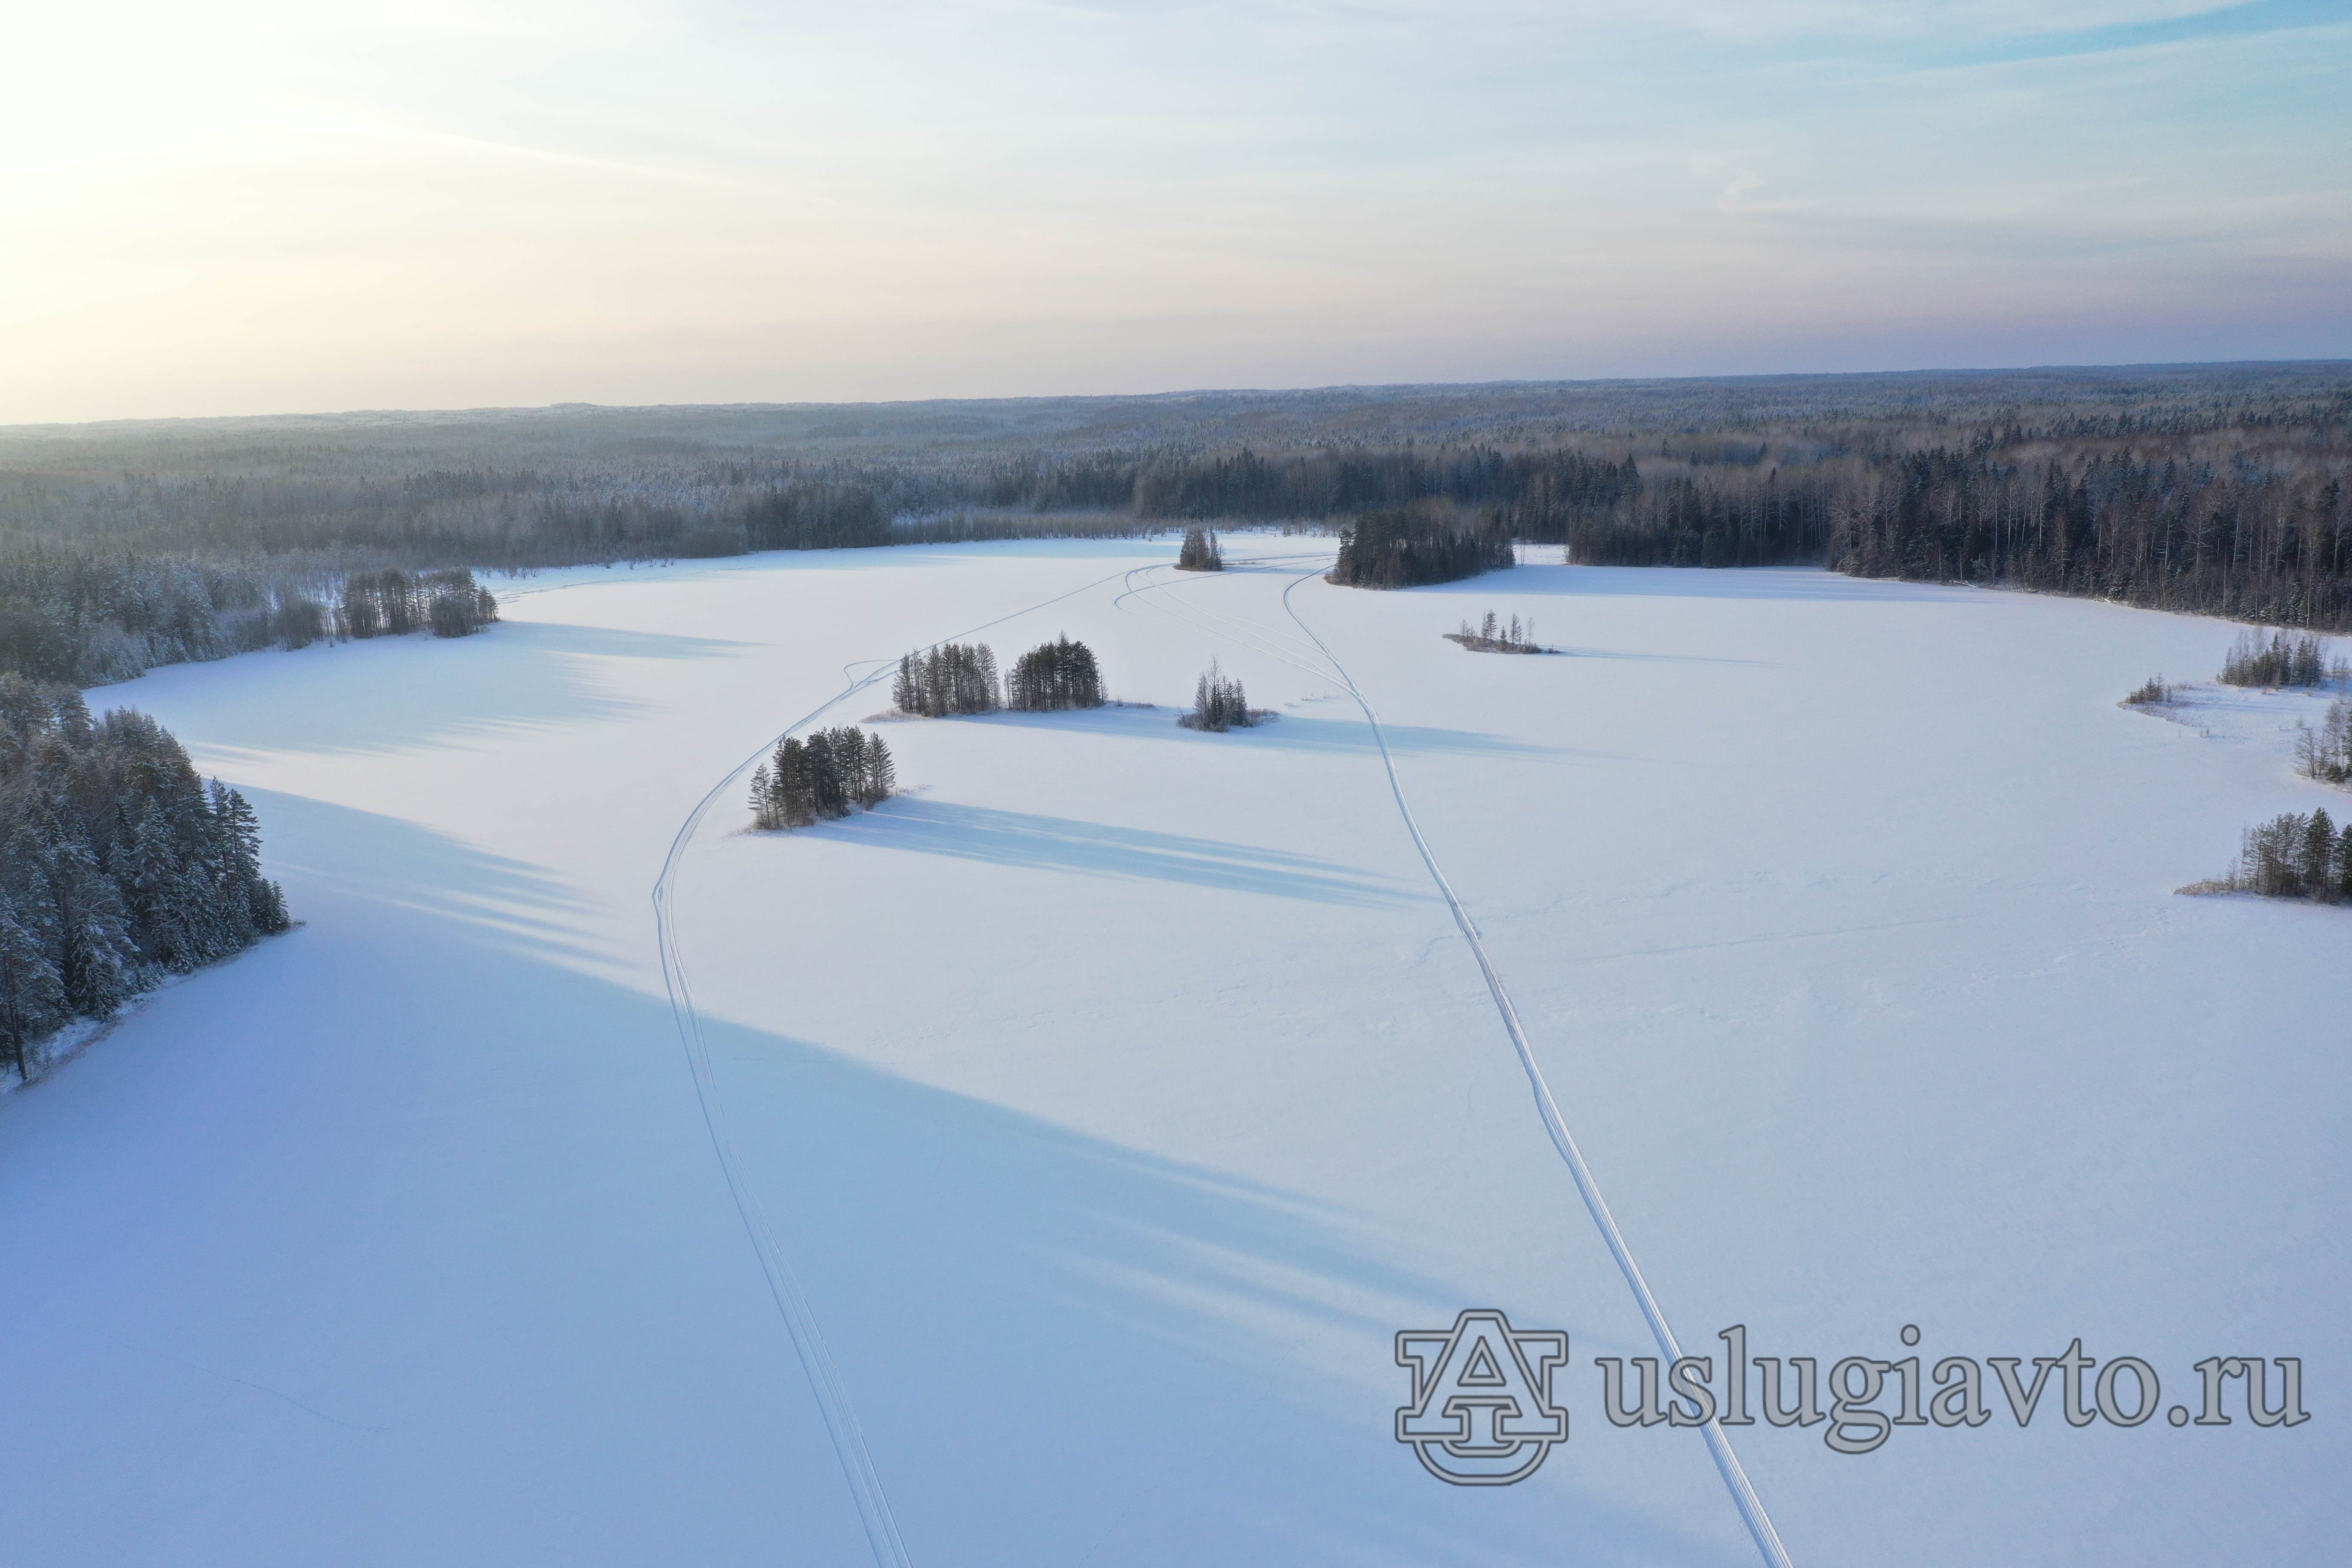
1116 1094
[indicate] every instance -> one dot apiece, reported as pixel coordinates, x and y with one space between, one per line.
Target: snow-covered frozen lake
1117 1093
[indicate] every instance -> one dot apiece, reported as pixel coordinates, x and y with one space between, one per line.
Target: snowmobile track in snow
792 1303
1727 1463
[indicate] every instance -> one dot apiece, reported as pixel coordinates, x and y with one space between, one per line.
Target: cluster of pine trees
2292 856
2278 660
953 677
73 616
1219 703
119 866
1402 547
393 604
816 515
1540 493
820 779
1199 553
1736 519
1053 676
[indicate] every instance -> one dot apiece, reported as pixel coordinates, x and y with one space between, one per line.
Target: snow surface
1119 1092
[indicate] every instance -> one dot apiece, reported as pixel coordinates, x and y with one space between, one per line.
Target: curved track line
784 1286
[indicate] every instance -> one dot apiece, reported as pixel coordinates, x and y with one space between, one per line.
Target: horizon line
2142 367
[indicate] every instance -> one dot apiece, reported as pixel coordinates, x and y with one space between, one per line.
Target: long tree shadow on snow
1096 849
470 1183
390 694
1806 583
1291 730
1089 1338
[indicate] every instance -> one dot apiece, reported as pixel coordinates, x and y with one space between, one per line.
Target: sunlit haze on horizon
265 208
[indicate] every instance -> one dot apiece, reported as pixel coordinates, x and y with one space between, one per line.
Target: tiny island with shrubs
1220 704
1494 635
1198 552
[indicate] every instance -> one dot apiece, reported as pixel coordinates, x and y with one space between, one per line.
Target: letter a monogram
1482 1414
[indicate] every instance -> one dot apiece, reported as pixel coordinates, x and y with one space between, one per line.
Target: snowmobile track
792 1303
1727 1463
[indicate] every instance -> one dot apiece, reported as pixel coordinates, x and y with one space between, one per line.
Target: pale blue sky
275 206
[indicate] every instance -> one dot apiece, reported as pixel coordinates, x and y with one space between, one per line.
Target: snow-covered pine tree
94 954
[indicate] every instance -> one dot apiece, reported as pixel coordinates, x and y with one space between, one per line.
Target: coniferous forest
821 778
1403 547
2221 489
121 865
953 677
1055 675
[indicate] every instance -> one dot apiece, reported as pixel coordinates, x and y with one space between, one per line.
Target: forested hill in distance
1512 412
2211 488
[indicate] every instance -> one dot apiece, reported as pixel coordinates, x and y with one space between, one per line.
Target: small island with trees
1220 704
1198 552
2292 856
952 679
1054 677
957 678
1428 541
821 778
2282 660
1496 635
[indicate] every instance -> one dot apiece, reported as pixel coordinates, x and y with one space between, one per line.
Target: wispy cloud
268 205
2252 18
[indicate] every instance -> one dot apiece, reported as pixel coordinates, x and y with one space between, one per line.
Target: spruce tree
93 953
793 797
